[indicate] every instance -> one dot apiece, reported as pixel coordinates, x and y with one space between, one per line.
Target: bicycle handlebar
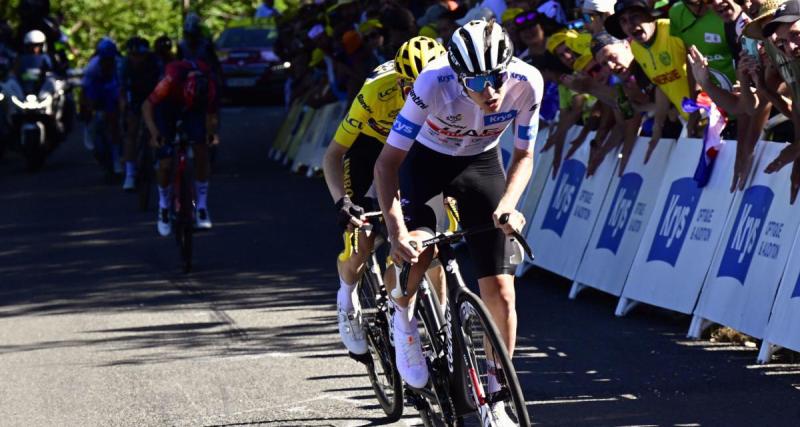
447 237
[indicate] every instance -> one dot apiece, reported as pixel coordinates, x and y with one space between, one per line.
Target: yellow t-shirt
374 109
664 63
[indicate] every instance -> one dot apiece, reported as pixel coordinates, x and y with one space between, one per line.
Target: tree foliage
91 20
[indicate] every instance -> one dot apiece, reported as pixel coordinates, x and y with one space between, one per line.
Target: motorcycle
38 119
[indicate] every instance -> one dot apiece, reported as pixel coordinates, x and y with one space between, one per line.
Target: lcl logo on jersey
620 213
675 219
569 183
746 231
499 117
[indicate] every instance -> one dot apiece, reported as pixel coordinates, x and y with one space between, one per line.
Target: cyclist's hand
348 214
156 140
402 251
213 140
515 220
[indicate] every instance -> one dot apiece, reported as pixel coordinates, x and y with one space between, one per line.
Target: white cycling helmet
479 47
35 37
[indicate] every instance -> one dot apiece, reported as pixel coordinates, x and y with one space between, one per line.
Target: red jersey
173 87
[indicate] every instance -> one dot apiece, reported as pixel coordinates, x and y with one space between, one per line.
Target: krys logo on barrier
620 213
746 231
560 207
675 219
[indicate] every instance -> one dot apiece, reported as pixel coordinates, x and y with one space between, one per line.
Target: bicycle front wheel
487 354
383 375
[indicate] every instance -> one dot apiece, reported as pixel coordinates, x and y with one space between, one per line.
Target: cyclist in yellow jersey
661 56
349 162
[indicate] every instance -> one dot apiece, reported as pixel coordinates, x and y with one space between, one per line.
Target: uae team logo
620 212
673 226
569 183
746 232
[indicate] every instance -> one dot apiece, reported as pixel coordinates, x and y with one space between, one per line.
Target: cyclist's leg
359 161
478 191
195 125
165 121
132 122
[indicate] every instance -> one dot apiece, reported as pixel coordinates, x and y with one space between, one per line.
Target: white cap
476 14
602 6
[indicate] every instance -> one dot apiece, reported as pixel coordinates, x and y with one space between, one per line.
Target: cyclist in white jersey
445 140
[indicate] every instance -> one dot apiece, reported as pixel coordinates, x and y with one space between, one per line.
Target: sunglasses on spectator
588 17
480 82
525 17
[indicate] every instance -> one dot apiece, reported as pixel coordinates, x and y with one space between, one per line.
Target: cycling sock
401 320
345 296
163 196
493 386
201 188
130 168
115 152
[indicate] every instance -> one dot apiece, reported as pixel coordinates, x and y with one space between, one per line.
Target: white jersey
439 114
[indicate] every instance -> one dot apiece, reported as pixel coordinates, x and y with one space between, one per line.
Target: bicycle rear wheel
382 372
486 351
144 176
185 224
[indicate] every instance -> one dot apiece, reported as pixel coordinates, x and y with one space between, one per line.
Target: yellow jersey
374 109
664 63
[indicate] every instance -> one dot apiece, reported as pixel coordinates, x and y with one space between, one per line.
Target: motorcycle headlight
46 102
2 97
17 102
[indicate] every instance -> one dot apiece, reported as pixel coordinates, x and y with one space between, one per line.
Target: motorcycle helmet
35 37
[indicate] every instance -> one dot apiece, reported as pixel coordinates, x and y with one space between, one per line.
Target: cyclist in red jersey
187 93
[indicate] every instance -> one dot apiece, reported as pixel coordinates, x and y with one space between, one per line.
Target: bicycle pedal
362 358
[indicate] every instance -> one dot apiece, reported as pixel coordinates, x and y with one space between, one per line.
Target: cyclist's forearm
388 187
519 173
147 115
333 170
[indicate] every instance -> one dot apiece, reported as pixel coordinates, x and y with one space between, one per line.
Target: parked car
250 67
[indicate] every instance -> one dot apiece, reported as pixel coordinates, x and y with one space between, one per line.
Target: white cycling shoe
351 331
164 223
499 416
202 219
130 183
408 355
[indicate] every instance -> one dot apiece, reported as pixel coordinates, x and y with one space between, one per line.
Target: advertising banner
683 232
782 328
740 288
566 213
623 218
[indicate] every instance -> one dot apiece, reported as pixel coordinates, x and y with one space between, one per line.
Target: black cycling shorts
476 182
359 162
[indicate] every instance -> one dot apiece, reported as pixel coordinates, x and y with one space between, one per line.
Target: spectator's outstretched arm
662 108
567 118
728 101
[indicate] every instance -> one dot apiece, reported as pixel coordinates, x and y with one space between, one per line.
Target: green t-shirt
708 33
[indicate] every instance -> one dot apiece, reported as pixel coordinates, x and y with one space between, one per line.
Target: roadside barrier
650 236
623 218
567 211
740 288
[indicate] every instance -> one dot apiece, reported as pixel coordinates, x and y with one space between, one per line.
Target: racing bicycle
184 201
462 346
376 317
145 172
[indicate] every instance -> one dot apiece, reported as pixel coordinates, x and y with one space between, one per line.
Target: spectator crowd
713 69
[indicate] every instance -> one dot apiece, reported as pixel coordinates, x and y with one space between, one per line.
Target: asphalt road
98 327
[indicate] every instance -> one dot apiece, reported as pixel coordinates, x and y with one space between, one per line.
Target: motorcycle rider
34 59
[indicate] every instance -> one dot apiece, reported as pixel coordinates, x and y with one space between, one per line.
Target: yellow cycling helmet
415 54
